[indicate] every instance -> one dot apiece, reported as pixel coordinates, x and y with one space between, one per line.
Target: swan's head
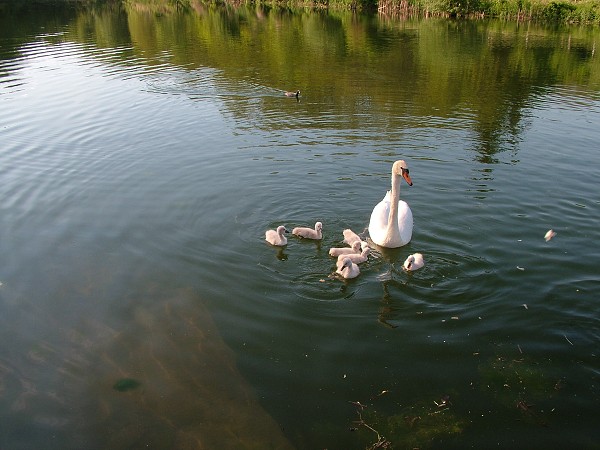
318 226
401 168
409 262
281 229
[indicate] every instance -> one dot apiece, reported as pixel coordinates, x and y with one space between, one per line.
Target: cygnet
347 269
350 236
276 237
309 233
357 258
414 262
337 251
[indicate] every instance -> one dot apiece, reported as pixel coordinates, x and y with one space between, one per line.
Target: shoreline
557 12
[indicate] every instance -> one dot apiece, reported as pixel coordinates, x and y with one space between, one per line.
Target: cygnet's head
414 262
281 229
318 226
346 262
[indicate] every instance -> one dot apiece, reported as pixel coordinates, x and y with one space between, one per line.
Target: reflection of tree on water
386 312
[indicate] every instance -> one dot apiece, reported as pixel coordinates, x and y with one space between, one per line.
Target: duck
309 233
337 251
350 236
276 237
292 94
413 262
391 222
347 269
357 258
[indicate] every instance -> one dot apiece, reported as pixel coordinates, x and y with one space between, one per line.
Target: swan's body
350 236
391 221
292 94
309 233
347 269
414 262
337 251
276 237
356 258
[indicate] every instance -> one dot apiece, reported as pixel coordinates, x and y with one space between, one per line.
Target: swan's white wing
379 220
405 222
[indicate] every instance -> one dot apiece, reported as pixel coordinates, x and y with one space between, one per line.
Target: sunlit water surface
135 192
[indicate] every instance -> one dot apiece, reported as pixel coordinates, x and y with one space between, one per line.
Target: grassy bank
586 12
558 11
553 11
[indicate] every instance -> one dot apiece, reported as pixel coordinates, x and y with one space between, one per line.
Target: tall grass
557 11
552 11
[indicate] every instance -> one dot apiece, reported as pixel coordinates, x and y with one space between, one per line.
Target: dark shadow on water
162 379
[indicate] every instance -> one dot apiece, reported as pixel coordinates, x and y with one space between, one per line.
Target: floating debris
549 235
520 268
565 336
126 384
445 401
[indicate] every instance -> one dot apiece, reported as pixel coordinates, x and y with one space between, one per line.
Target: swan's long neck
392 225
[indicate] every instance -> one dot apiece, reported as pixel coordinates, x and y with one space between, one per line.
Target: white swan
414 262
309 233
391 221
356 258
337 251
347 269
276 237
350 236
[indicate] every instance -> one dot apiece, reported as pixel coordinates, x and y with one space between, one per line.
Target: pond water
145 153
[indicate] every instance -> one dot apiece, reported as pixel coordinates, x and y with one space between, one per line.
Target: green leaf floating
126 384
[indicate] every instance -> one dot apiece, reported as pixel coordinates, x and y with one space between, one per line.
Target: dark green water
143 156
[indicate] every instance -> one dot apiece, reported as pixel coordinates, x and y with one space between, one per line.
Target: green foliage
558 11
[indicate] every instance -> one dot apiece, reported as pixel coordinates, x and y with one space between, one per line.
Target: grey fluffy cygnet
277 237
337 251
309 233
347 269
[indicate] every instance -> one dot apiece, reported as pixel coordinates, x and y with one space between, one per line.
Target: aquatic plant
414 426
519 384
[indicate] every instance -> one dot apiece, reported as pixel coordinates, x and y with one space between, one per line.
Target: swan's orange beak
406 177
